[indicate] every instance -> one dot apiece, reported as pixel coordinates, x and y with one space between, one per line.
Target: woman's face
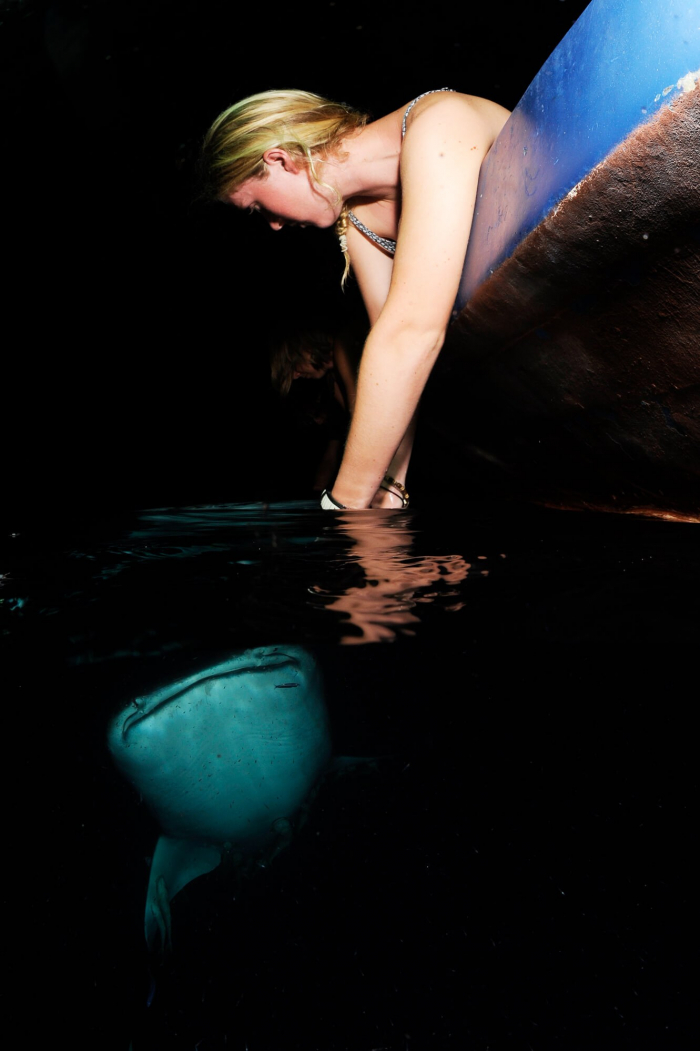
287 195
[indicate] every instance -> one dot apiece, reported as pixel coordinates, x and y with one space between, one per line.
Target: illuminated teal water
509 871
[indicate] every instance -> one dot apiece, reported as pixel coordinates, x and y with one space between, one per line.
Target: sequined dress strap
385 242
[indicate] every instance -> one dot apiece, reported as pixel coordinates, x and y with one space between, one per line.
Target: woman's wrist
351 495
396 489
389 493
329 502
341 503
386 500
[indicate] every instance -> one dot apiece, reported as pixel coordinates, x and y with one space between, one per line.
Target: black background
134 366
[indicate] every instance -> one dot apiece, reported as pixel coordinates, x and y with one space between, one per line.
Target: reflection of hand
394 580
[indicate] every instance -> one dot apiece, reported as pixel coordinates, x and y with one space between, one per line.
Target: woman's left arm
440 163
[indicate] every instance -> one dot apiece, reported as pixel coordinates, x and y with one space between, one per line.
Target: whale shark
226 760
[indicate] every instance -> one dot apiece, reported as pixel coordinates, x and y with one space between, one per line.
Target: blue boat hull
571 374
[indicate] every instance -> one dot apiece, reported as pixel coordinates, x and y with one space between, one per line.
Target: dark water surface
512 871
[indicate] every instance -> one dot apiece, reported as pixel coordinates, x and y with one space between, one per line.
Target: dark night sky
134 369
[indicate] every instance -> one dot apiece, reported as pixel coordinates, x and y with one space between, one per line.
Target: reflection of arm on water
393 579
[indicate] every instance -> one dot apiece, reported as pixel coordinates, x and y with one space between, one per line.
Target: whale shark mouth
162 698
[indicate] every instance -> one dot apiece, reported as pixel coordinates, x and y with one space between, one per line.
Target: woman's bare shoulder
458 109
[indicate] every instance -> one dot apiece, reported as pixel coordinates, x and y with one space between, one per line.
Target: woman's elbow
418 343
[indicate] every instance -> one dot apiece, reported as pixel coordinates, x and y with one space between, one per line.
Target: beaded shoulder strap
385 242
434 91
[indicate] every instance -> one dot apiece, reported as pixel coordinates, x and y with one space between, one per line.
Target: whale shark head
224 759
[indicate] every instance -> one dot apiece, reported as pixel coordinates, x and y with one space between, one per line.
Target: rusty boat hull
571 371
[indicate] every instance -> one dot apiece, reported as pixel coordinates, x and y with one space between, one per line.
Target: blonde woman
400 191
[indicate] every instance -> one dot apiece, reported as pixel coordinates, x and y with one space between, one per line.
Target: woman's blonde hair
309 127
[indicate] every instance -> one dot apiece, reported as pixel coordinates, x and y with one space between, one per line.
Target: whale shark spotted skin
224 759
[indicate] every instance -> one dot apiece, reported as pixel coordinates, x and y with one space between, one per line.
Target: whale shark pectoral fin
176 862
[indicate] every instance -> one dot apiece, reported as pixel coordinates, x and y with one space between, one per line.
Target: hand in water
391 494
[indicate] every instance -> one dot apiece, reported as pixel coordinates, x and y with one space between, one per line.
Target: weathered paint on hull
572 376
